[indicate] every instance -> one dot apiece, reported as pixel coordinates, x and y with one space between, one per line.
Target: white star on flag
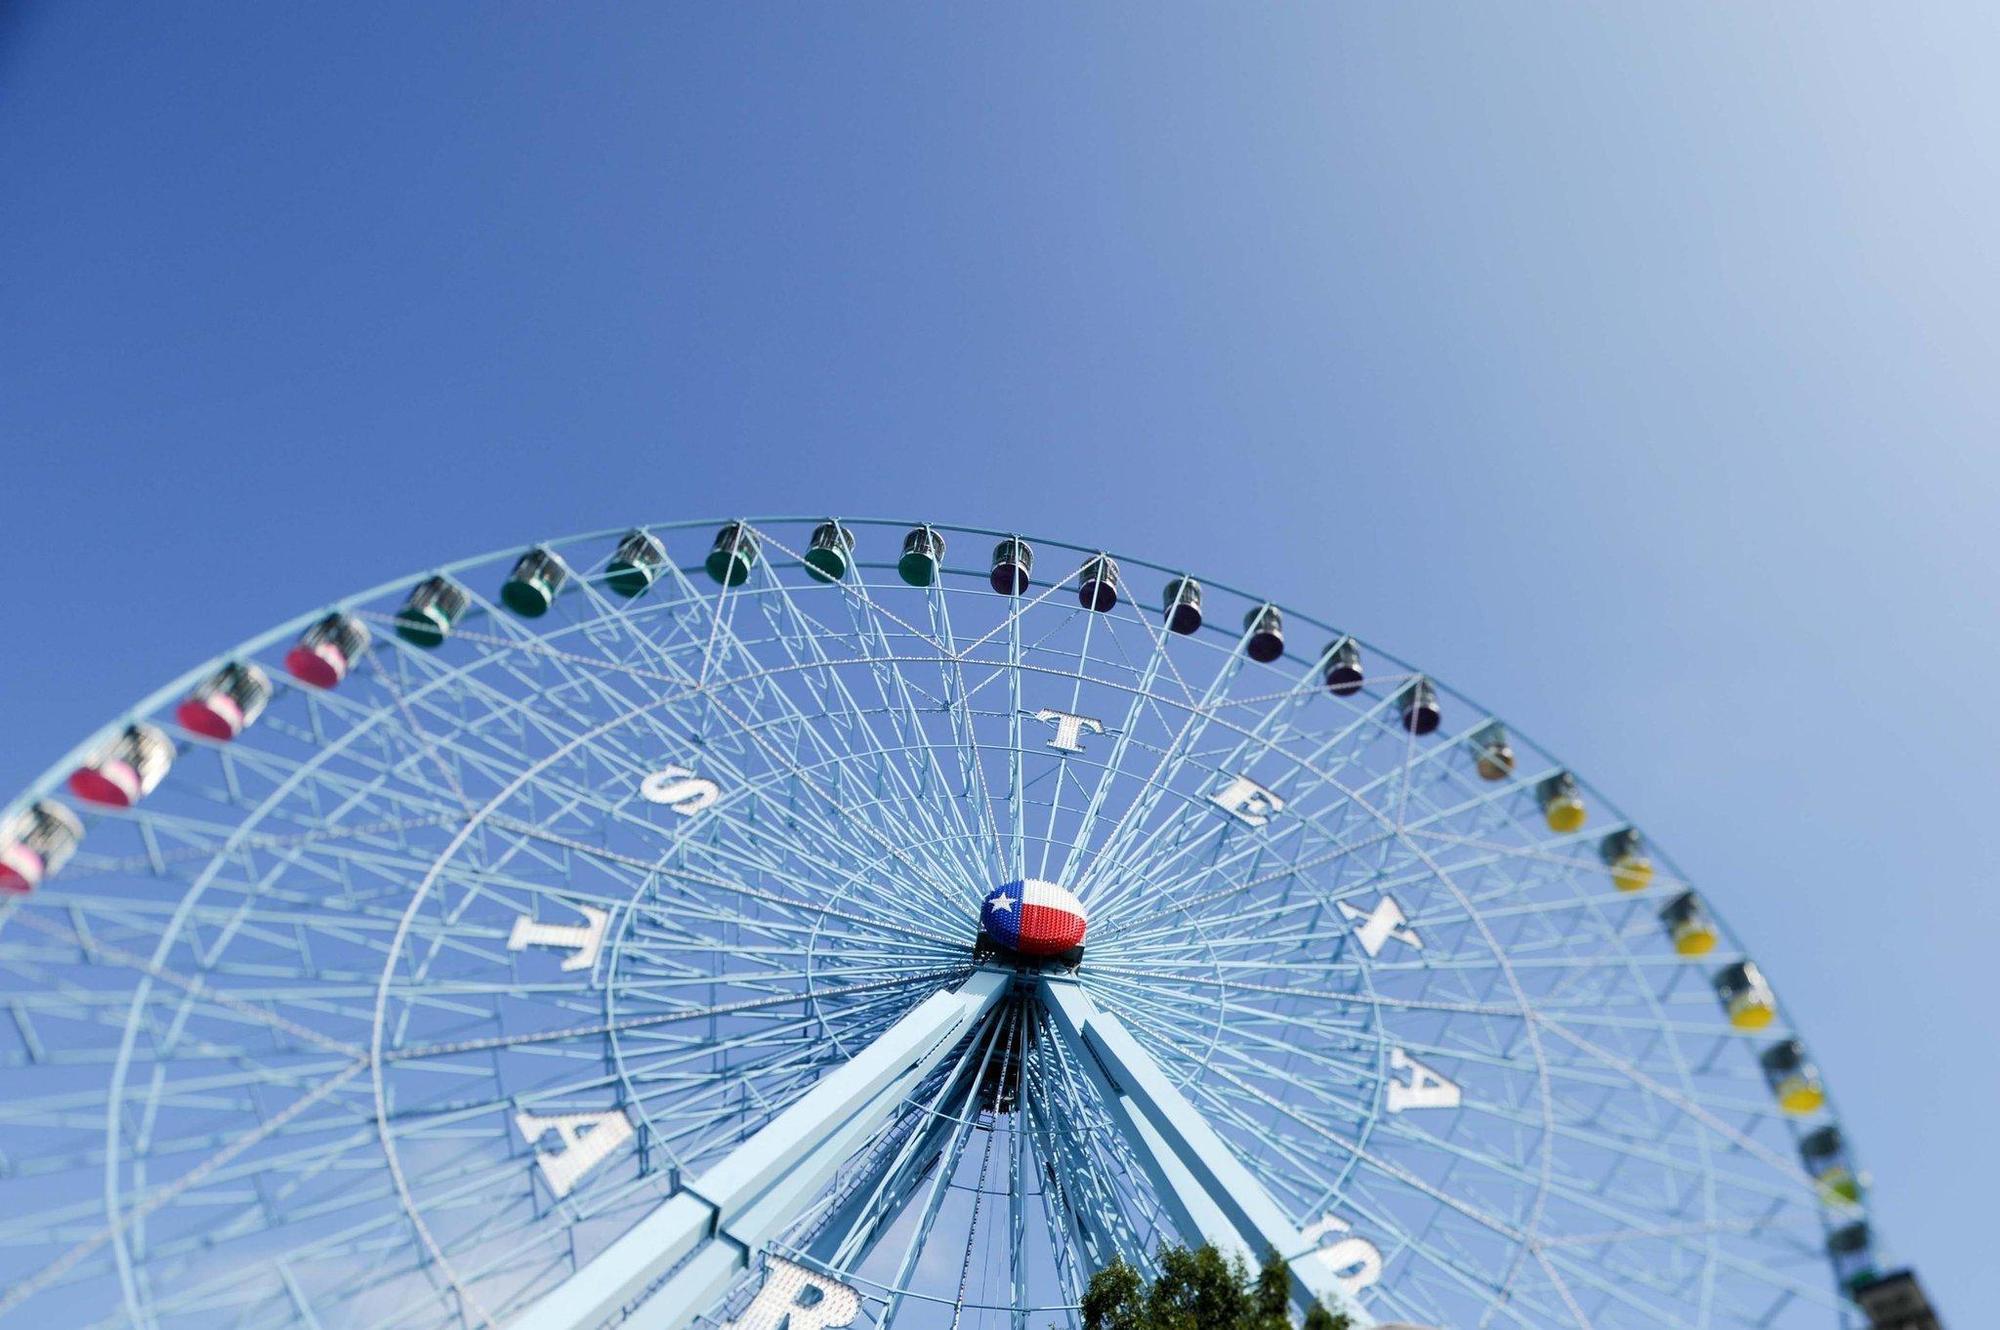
1001 902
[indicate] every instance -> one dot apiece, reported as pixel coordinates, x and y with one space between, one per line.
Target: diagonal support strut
1206 1188
720 1220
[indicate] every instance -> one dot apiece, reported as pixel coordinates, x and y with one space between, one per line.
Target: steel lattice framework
403 1006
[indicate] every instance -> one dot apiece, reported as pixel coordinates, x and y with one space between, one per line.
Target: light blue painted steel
698 1284
1197 1154
255 885
1195 1215
846 1104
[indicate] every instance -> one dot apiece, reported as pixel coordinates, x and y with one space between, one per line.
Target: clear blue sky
1633 369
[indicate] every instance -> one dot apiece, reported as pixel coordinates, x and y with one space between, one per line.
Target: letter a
588 1140
1426 1089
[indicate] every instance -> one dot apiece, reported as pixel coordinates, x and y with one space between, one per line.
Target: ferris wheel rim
1331 781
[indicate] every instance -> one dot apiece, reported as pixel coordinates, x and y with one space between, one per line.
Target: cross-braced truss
400 1008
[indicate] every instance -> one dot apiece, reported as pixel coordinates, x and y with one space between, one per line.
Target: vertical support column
1198 1176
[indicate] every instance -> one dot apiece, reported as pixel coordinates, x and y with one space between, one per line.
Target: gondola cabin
1825 1155
1794 1080
1624 853
1419 705
531 588
1895 1301
634 564
1688 926
34 845
1013 560
829 551
923 556
1492 753
1183 606
1342 671
1561 800
1748 1000
126 769
326 651
226 703
1264 634
733 555
433 609
1852 1248
1097 584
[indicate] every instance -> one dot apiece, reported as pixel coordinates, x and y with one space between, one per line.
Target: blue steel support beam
1183 1151
762 1182
1195 1216
698 1284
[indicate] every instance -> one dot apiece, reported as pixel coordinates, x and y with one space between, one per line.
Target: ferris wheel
880 925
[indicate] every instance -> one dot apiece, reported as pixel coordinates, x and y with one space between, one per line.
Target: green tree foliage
1198 1289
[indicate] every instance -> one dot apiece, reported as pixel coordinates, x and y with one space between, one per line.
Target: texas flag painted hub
1034 918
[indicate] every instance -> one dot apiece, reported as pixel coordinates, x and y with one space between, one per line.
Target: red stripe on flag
1045 928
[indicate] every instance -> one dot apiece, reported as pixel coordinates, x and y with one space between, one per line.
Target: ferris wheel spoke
1576 1196
874 750
946 891
1382 833
1129 830
1249 853
858 1219
1386 833
1688 1104
1141 699
948 829
958 706
718 883
1093 1167
155 1199
560 790
664 857
1542 852
1266 734
761 677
